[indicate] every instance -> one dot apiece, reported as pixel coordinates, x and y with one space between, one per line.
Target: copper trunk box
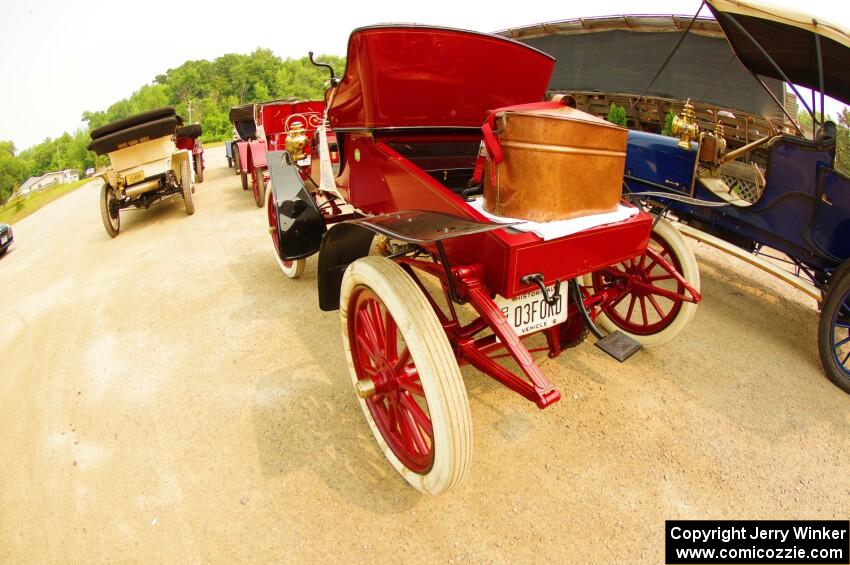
559 164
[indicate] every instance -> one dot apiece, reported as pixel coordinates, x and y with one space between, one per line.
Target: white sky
60 58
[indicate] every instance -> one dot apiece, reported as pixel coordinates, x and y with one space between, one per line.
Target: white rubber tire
690 271
186 182
295 268
112 227
435 361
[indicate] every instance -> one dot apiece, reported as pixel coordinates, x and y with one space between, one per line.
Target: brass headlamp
296 141
685 127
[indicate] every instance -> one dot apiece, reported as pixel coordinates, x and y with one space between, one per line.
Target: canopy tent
621 54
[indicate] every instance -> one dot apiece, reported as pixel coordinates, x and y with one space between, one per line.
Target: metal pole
778 103
669 57
819 56
814 116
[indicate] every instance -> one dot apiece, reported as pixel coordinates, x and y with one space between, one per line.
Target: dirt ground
168 396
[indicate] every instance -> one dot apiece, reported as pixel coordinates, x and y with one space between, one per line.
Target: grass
17 210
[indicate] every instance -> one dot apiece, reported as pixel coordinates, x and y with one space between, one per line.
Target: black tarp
704 68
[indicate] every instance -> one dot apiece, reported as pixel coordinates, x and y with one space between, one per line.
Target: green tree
213 87
617 115
13 171
842 142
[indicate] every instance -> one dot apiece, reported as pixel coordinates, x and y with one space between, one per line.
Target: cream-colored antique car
146 165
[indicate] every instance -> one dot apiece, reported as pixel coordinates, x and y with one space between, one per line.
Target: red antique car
244 131
274 121
450 286
189 138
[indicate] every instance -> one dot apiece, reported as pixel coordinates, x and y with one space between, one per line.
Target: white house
34 184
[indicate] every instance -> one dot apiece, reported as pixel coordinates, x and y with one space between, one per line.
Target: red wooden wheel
291 269
644 305
406 375
258 182
383 362
646 296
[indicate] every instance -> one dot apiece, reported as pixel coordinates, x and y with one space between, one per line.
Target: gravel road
168 396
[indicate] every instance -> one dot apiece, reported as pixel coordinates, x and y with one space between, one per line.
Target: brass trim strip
562 149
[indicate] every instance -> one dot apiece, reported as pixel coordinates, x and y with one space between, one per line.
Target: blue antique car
781 192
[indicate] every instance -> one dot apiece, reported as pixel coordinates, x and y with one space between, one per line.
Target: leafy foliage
842 136
668 124
617 115
842 142
211 87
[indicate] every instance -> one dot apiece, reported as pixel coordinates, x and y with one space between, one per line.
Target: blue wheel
834 330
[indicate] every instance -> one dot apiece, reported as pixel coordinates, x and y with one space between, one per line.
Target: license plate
529 313
133 178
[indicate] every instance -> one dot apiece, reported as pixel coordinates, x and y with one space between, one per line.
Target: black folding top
133 120
246 129
244 112
192 130
138 133
792 47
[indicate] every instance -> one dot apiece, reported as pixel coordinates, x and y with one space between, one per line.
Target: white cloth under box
560 228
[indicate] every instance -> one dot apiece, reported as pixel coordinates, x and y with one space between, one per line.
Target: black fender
343 244
348 241
300 223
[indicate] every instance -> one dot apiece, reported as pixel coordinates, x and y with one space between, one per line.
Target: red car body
388 99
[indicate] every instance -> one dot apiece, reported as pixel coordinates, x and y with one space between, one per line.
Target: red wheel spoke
403 359
655 305
390 338
651 266
412 407
380 413
658 291
368 326
392 413
412 432
618 300
410 385
661 278
643 310
368 349
377 320
631 307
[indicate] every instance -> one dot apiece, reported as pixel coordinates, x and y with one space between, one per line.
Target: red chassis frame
481 265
